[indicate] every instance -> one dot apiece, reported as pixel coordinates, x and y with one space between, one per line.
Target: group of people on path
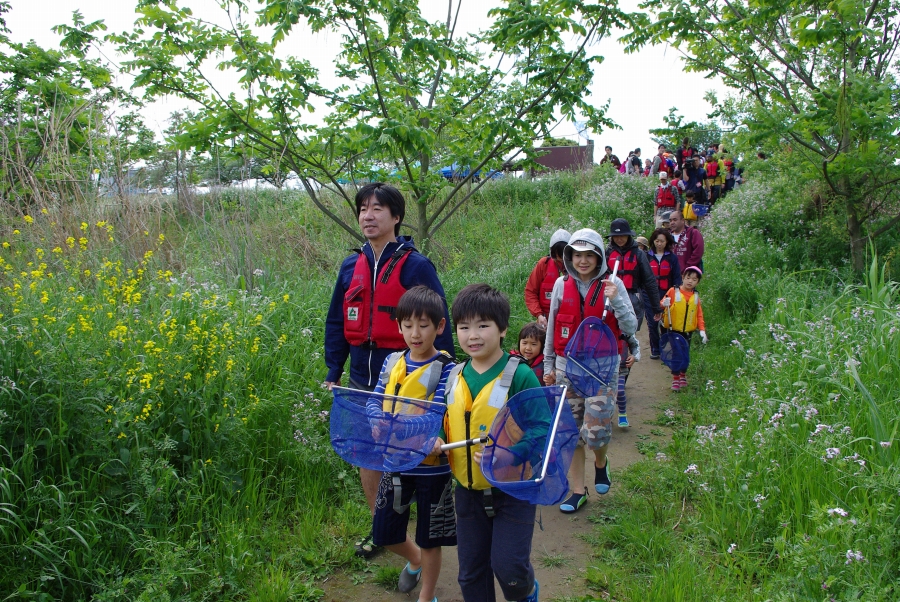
389 316
686 175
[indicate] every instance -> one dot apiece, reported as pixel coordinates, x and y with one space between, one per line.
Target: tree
819 77
415 94
701 135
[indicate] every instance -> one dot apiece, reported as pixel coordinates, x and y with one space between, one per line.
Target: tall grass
782 480
163 433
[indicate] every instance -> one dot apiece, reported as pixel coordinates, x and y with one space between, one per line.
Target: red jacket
540 285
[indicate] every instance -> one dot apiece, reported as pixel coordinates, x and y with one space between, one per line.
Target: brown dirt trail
559 555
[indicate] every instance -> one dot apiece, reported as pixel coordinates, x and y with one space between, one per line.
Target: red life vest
662 269
687 154
547 284
665 196
362 325
712 168
573 309
628 266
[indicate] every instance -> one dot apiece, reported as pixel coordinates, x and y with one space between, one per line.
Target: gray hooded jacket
620 305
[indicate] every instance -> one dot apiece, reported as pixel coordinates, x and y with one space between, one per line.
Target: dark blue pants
652 325
498 545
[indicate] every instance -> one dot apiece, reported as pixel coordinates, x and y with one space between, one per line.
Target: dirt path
558 554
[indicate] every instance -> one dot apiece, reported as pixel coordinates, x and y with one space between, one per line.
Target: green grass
780 482
163 433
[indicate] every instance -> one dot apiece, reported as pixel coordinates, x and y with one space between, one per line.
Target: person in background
715 176
666 198
642 243
531 347
688 241
543 277
685 154
684 314
695 176
664 264
610 158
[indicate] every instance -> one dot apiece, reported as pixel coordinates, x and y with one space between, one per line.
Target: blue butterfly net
592 357
674 351
383 432
527 457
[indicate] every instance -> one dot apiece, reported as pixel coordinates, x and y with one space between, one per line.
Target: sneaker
575 501
601 479
676 383
683 380
408 579
533 596
365 548
623 421
654 355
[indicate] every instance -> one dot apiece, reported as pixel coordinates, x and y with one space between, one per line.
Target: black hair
558 249
677 173
662 146
693 270
686 141
387 196
483 302
637 150
607 147
420 301
534 331
670 240
689 194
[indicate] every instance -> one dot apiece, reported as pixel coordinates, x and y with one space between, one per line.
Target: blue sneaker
623 421
533 597
601 479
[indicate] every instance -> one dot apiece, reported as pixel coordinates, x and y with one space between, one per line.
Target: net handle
587 370
464 443
562 401
606 303
394 398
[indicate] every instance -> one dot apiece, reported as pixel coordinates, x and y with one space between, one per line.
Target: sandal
365 548
573 503
408 579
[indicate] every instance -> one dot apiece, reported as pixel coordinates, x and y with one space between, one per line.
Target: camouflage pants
594 414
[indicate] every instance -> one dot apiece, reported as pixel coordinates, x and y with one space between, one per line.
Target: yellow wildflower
16 232
29 219
84 226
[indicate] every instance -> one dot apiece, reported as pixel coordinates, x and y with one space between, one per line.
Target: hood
588 235
560 236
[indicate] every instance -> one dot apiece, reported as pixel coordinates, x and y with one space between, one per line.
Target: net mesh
674 351
592 357
383 432
521 444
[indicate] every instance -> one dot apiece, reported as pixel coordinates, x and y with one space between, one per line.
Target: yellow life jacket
467 418
683 312
421 383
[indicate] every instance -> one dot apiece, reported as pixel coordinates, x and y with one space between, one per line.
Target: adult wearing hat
634 269
638 278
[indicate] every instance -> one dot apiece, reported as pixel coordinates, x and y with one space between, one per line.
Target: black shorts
436 515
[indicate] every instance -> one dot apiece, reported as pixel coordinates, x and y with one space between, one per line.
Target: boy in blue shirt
494 528
420 372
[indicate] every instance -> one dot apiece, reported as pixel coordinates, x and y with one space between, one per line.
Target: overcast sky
640 87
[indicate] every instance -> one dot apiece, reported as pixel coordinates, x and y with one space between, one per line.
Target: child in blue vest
581 294
531 347
494 528
420 372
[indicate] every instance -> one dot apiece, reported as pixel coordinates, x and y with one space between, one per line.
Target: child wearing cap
682 313
577 295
